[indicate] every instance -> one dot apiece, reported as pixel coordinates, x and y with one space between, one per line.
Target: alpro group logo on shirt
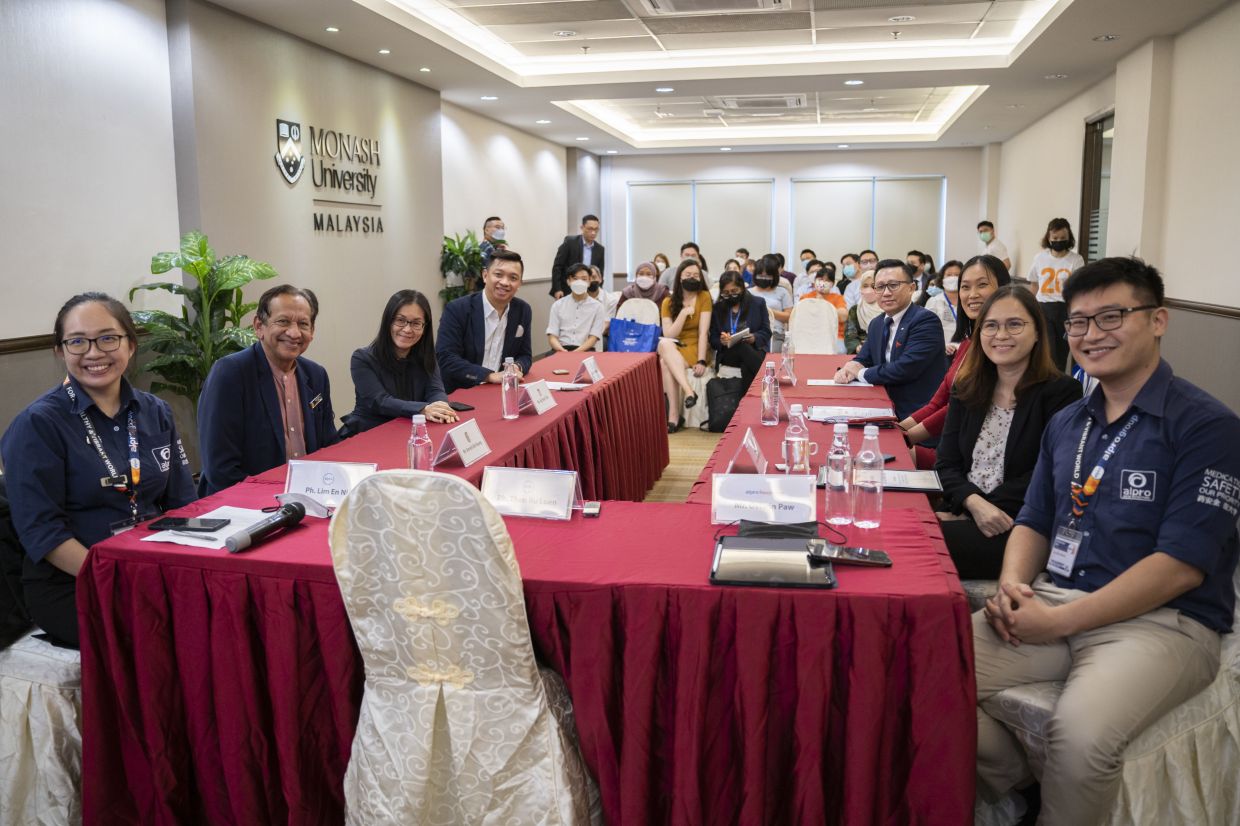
163 457
1137 485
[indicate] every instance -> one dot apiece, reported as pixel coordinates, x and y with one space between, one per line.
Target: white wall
962 167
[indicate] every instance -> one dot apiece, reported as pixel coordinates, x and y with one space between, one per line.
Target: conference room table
224 688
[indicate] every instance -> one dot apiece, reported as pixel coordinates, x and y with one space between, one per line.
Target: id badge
1063 551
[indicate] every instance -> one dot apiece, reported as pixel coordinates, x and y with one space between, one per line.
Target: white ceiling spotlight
664 90
385 51
611 151
901 18
725 149
489 97
333 29
542 122
853 82
565 33
425 69
583 139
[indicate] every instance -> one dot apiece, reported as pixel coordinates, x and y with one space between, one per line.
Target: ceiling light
583 139
901 18
611 151
1106 38
489 97
565 33
542 122
331 29
853 82
425 69
1055 77
385 51
663 90
841 146
725 149
1016 106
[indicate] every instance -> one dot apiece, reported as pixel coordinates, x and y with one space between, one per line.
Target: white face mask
579 287
644 282
951 283
661 266
498 235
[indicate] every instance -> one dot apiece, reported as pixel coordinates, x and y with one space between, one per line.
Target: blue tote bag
628 336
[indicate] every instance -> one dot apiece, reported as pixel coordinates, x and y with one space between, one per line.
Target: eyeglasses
890 286
1013 326
1106 320
400 323
80 346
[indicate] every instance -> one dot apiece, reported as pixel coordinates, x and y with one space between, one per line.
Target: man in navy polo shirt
1118 575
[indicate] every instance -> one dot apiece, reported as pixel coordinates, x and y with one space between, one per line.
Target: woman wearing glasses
396 376
1006 391
91 457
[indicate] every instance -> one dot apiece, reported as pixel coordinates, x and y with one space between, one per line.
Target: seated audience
903 349
267 404
767 286
609 299
645 285
943 295
823 289
1006 392
1117 578
866 262
734 312
686 336
850 274
689 251
396 375
661 264
804 283
983 275
479 331
861 314
89 458
577 320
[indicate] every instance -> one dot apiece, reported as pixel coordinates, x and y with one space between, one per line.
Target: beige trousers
1119 679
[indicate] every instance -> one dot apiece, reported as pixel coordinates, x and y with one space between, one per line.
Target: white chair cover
641 310
40 734
455 726
815 327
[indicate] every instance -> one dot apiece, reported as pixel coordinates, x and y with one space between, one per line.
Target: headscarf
867 312
657 291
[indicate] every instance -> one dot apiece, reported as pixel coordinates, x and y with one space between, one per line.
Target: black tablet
770 563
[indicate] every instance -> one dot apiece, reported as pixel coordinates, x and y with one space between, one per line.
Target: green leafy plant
460 258
210 324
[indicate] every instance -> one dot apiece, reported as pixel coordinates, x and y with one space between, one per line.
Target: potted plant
460 261
210 324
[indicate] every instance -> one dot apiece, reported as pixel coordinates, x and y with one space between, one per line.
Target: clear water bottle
839 479
789 352
510 394
868 481
770 396
796 442
421 454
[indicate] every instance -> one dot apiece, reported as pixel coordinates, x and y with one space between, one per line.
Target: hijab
867 312
657 291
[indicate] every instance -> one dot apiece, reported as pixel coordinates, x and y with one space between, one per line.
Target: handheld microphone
286 517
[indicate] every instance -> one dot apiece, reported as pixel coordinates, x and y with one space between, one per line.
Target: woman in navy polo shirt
89 458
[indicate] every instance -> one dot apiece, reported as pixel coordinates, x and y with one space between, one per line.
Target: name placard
326 483
748 457
762 497
589 370
543 494
536 395
466 441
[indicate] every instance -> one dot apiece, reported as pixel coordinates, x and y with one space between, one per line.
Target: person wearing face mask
742 257
660 264
577 320
686 315
1047 274
941 300
689 251
767 286
493 238
736 311
610 301
850 273
861 314
807 256
992 244
866 262
645 285
823 289
804 283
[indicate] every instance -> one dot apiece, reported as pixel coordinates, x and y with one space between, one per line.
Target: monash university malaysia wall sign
344 171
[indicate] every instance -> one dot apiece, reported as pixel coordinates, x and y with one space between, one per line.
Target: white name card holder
748 457
536 395
589 370
465 441
762 497
326 483
787 370
542 494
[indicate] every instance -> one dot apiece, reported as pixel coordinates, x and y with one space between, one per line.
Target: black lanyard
1082 494
114 480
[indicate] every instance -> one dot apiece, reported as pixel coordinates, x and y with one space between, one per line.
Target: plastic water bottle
770 396
796 442
421 454
839 479
789 352
868 481
510 393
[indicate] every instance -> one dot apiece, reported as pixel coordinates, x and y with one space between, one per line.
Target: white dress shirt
587 253
496 328
891 340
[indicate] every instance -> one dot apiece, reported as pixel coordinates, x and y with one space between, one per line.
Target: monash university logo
288 150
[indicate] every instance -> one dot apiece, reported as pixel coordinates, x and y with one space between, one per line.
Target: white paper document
239 520
833 383
830 413
912 480
565 385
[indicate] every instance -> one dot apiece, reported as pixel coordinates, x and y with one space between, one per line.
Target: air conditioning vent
712 113
760 103
669 7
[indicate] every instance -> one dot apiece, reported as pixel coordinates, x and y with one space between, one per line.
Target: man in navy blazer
903 350
478 331
577 249
265 405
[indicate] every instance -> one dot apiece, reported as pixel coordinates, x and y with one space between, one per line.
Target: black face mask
1061 246
731 300
691 285
764 281
593 288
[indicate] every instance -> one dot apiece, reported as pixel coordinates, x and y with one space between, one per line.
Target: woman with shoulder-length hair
735 312
1006 391
686 325
396 375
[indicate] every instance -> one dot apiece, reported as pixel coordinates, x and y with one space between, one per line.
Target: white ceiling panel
530 32
552 13
728 40
997 28
955 13
869 34
703 24
568 48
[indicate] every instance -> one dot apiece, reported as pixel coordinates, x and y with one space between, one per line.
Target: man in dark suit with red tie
577 249
903 350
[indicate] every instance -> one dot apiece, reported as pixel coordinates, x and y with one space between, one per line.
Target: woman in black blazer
735 311
1006 391
396 375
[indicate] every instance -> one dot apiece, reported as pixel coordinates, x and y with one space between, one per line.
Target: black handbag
723 396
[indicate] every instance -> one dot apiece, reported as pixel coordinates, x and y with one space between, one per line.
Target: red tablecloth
225 689
613 434
820 367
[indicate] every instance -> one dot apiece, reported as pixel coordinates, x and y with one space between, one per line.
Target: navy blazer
753 315
461 342
918 361
240 431
375 392
571 251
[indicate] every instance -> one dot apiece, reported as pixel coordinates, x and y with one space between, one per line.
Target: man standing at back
991 243
267 404
903 349
478 331
493 235
577 249
1118 577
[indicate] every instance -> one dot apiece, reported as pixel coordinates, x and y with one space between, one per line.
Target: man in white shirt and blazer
480 330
